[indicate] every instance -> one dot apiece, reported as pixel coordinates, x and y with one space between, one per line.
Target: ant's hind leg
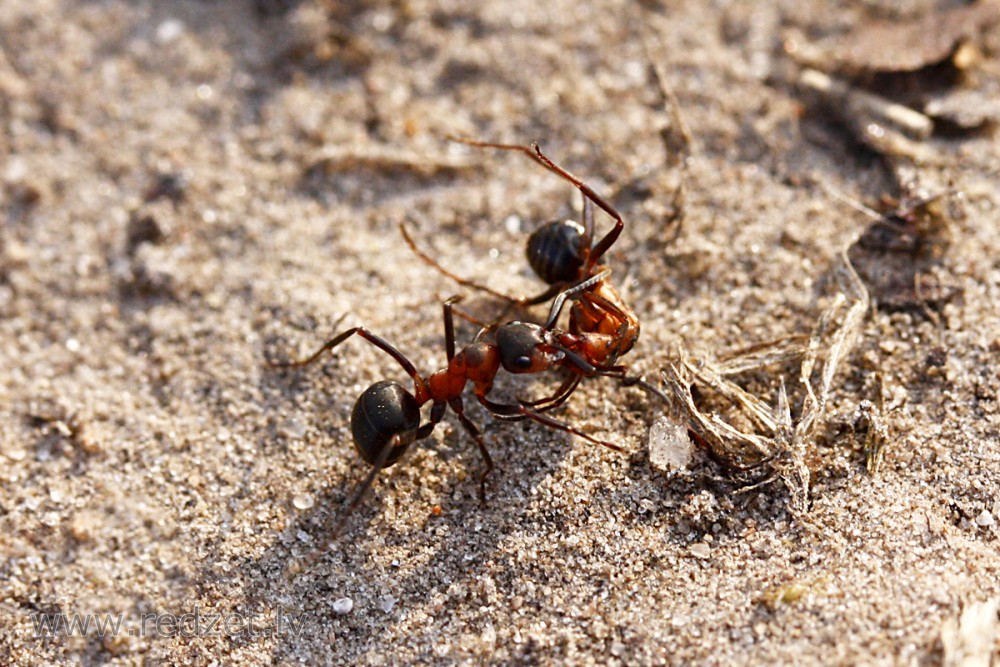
595 253
372 338
360 491
459 409
520 148
464 282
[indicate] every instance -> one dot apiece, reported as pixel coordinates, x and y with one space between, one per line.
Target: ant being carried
563 254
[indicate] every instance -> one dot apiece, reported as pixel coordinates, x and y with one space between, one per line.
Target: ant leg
437 412
588 226
464 282
560 396
527 150
523 301
570 291
377 341
472 319
518 411
459 409
362 489
449 326
592 255
552 291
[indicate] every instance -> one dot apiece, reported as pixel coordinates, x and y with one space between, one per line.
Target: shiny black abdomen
554 251
384 409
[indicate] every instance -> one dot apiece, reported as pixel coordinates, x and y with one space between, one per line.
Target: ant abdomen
384 412
554 251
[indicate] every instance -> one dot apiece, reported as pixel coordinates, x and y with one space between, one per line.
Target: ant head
385 415
525 348
554 251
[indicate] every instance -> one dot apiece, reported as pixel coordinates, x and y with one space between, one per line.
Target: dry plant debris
781 440
969 640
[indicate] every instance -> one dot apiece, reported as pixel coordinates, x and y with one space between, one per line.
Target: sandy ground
189 187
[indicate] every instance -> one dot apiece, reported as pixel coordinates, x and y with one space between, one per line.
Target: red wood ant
561 253
385 420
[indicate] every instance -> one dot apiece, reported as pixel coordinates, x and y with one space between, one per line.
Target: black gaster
554 251
384 410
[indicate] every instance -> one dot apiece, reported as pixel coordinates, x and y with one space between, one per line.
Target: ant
386 418
562 253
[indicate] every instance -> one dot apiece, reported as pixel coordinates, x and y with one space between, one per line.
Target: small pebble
343 605
985 519
303 501
169 30
512 224
700 550
84 526
386 603
15 454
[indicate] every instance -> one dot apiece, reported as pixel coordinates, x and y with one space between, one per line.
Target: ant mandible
385 420
562 253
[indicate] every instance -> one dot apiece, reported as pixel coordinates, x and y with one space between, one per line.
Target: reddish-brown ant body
385 420
563 254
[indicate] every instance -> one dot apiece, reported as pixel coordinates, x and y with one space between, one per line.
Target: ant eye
522 363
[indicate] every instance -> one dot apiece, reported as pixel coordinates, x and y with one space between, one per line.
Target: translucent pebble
670 448
343 605
386 603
